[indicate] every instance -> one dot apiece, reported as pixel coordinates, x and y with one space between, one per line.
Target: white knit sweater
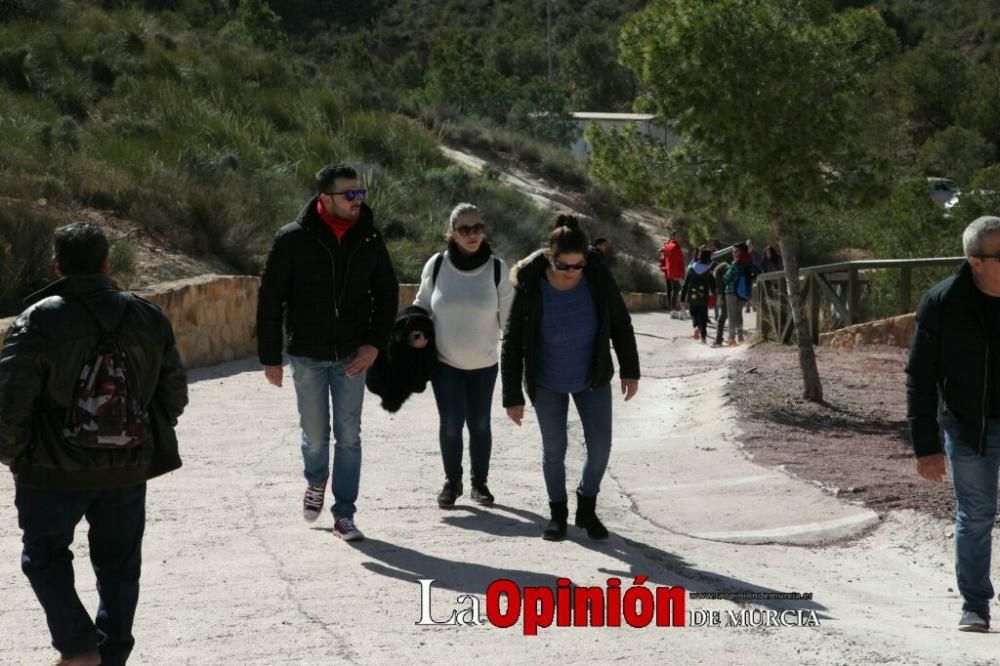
469 312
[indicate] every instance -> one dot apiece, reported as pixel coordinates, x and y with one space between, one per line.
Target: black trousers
699 317
117 520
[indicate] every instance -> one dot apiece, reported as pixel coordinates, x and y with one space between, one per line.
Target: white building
646 123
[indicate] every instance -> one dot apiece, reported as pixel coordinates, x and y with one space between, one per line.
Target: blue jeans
316 382
594 408
975 480
117 519
465 397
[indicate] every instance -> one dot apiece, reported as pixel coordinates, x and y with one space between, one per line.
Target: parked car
943 191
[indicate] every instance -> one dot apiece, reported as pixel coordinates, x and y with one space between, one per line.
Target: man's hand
362 360
273 374
932 467
629 388
516 414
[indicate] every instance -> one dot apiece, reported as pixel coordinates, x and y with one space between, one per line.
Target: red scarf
338 226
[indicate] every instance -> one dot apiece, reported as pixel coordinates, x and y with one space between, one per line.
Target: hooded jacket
331 296
672 263
699 284
40 362
742 266
518 356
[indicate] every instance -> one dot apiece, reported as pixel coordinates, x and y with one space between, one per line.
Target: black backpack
106 411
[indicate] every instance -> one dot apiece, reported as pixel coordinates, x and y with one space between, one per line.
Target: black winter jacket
42 355
698 286
948 370
332 296
518 354
400 370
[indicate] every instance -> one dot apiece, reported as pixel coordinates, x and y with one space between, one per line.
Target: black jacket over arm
948 369
42 356
331 296
518 358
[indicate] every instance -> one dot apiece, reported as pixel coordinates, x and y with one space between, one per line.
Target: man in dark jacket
953 386
58 481
329 279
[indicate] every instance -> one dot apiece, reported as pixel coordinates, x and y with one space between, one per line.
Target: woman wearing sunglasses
567 310
468 293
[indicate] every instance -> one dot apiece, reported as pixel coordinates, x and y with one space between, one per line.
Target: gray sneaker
347 530
974 621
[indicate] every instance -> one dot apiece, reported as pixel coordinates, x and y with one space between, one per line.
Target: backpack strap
438 260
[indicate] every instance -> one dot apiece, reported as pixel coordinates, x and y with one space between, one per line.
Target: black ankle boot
556 529
586 517
452 490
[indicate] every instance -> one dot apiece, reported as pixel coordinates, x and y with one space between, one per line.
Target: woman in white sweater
468 293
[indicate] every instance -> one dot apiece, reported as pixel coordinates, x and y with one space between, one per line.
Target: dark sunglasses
351 195
477 228
562 266
984 257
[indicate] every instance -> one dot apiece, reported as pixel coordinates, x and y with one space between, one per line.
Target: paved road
233 575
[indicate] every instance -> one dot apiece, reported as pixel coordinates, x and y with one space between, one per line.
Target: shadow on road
228 369
461 574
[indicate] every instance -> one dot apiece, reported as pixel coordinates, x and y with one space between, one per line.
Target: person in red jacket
672 265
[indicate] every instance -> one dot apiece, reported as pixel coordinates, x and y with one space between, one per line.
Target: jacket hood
701 268
529 269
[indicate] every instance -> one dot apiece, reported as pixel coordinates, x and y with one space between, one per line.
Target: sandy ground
233 575
857 444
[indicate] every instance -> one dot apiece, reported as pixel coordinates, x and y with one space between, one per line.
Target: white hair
458 211
972 237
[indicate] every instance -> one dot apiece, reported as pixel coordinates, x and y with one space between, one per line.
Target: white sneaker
347 530
312 503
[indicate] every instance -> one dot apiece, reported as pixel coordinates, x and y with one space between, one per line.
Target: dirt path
233 576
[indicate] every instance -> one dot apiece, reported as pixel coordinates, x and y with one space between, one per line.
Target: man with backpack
739 289
91 386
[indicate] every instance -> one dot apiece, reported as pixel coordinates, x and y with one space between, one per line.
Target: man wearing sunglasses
329 279
953 386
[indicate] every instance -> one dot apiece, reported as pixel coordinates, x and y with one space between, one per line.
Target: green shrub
123 257
602 203
634 274
13 69
25 252
65 135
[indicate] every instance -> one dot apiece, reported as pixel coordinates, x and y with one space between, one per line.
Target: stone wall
214 316
897 331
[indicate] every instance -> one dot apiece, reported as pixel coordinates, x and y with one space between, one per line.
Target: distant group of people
717 280
91 383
